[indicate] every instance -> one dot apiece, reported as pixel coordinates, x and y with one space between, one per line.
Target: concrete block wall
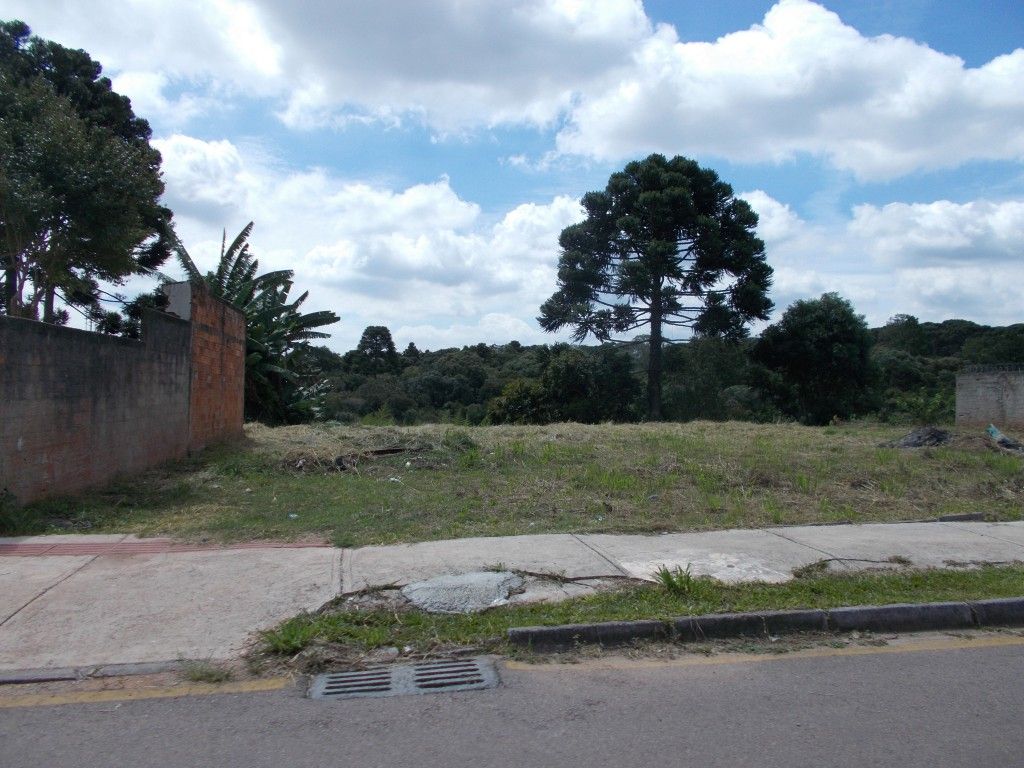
78 408
990 397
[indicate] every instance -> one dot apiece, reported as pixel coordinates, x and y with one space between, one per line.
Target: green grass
204 671
364 630
455 482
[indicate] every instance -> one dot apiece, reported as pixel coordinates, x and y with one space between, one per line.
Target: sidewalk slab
26 578
401 564
1012 532
142 608
925 545
730 556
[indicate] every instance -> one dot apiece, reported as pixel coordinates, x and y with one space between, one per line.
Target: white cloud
202 44
934 260
980 231
451 64
421 259
803 82
150 97
205 180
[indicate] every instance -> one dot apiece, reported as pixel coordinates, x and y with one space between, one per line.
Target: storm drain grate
473 674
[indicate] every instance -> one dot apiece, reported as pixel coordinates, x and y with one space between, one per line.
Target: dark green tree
411 353
905 333
126 322
817 360
697 376
79 182
666 245
375 353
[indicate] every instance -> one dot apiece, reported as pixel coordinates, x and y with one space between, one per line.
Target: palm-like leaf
275 327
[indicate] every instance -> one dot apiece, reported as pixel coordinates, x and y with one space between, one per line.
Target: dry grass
457 481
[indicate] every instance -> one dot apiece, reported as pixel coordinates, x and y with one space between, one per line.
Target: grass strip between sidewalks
365 630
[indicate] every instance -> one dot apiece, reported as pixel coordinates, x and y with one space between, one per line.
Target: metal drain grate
402 679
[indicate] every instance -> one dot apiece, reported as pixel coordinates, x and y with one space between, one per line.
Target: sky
413 161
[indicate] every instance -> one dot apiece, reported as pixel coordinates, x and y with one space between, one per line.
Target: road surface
933 701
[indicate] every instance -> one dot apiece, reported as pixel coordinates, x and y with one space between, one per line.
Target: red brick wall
78 408
217 387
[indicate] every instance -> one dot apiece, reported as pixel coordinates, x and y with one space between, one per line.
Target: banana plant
275 327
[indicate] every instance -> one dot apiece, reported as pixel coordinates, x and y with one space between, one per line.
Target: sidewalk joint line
603 556
831 555
52 586
957 527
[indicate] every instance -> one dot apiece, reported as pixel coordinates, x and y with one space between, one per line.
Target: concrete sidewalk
73 601
770 554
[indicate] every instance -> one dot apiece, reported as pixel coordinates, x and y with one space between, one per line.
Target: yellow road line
915 646
139 694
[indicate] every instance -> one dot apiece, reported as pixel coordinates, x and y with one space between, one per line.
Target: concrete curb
56 674
909 617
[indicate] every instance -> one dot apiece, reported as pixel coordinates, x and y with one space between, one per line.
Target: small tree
818 360
666 244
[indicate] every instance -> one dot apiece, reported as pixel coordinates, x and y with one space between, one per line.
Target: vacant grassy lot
445 482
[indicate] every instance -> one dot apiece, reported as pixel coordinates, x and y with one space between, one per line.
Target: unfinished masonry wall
78 408
990 397
217 348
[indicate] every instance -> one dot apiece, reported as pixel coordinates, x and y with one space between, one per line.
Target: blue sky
414 161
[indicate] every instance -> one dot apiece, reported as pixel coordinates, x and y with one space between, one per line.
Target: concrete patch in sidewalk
402 564
729 556
139 608
464 593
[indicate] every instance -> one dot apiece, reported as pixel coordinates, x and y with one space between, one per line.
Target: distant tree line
818 363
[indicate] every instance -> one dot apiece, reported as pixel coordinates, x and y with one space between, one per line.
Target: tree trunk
654 361
48 298
10 290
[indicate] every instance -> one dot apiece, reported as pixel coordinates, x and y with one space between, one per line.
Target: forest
908 376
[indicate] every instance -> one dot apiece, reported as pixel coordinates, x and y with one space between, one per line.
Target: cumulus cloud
420 259
935 260
804 82
451 64
942 232
800 82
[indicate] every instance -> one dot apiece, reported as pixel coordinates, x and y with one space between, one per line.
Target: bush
816 361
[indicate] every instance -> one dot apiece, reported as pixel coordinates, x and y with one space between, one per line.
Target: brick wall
79 408
990 397
217 396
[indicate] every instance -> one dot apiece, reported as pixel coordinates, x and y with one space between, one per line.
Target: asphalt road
956 706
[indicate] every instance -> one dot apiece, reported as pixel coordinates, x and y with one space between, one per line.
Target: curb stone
718 625
605 633
999 611
56 674
903 617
